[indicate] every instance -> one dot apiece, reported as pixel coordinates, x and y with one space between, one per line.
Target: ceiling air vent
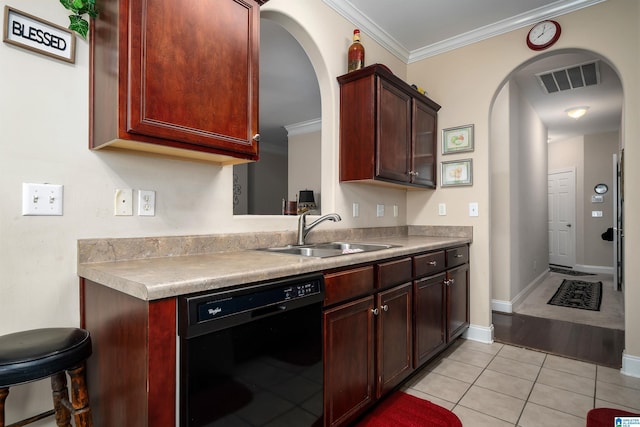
569 78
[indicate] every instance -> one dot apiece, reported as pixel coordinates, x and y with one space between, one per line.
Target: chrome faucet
304 229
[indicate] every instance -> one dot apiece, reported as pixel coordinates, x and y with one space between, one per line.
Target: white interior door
562 218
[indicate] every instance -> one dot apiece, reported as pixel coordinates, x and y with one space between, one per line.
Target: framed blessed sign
457 140
37 35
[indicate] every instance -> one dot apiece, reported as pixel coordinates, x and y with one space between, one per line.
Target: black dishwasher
252 356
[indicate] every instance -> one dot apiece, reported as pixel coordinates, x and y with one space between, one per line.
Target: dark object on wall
608 235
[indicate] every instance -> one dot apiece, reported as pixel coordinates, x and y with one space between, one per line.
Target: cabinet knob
256 137
413 173
433 263
375 311
385 307
458 255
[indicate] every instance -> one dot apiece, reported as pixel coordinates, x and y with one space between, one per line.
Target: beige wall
305 168
44 127
466 81
598 168
591 158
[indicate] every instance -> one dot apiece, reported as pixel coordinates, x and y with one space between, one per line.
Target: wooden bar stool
40 353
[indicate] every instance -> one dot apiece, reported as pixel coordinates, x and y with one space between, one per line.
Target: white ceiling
416 29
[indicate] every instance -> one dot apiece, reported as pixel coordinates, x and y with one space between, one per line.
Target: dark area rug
405 410
568 271
578 294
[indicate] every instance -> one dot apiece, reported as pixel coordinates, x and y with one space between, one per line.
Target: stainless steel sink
324 250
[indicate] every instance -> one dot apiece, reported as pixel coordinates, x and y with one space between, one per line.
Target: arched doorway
525 115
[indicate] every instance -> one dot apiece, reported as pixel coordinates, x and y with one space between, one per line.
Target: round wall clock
543 35
601 188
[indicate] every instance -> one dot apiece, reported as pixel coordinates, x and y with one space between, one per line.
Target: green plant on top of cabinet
387 130
176 79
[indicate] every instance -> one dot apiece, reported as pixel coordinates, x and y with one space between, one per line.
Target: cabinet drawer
394 273
457 256
428 264
343 285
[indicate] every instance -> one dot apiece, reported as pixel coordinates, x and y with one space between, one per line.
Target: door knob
569 225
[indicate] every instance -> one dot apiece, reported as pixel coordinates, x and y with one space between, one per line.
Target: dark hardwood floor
593 344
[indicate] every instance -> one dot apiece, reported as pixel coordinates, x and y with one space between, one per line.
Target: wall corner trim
483 334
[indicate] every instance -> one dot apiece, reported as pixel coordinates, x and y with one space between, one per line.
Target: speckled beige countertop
164 267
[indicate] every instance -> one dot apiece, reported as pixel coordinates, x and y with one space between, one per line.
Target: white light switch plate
41 199
473 209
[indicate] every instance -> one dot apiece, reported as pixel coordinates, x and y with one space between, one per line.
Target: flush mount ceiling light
576 112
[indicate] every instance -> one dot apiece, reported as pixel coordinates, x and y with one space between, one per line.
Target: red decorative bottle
356 53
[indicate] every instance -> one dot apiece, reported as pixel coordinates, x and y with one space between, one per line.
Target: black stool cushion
39 353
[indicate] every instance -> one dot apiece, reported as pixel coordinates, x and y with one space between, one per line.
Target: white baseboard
630 365
479 333
596 269
501 306
508 306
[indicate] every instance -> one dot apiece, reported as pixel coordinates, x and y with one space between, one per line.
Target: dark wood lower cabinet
457 301
348 361
357 334
394 337
430 298
131 374
399 327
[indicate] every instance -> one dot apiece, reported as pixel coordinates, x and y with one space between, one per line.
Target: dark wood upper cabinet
176 78
387 130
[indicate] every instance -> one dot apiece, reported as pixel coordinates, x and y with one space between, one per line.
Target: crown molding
368 26
314 125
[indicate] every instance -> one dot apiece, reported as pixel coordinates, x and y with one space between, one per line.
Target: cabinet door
348 361
458 301
394 133
394 336
177 78
423 169
193 74
430 311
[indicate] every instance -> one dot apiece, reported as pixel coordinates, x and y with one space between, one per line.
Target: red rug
605 417
404 410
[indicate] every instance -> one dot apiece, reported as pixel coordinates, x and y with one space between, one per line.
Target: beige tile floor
498 385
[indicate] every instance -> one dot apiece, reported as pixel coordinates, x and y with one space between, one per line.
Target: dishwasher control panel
250 302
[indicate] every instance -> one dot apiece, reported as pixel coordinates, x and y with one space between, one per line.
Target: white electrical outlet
41 199
123 202
146 203
395 210
473 209
596 214
356 210
442 209
380 210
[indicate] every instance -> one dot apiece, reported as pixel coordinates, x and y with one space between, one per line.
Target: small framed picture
456 173
457 140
